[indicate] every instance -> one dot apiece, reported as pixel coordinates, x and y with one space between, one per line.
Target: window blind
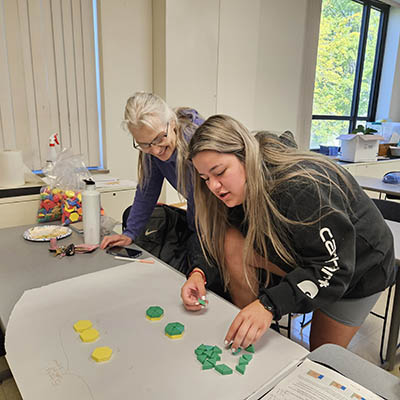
48 78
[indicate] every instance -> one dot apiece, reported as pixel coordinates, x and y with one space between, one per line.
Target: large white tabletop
49 361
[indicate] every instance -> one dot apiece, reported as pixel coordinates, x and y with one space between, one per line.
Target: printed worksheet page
312 381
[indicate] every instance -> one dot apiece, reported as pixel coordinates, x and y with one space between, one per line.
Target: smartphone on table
124 252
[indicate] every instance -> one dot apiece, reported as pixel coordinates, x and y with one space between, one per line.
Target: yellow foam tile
82 325
101 354
89 335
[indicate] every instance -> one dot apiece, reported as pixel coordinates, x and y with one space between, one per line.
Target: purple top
147 196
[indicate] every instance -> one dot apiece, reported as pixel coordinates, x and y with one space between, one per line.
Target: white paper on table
106 181
313 381
49 361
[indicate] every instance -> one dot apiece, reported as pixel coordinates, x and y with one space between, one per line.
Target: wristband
269 307
201 273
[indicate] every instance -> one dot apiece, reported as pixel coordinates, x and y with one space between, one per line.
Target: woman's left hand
248 326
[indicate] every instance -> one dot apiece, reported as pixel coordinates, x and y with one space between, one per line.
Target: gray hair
146 109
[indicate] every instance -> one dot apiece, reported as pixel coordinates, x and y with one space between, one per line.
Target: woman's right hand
115 240
193 290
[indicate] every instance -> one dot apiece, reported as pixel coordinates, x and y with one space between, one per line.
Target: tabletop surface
145 363
25 265
377 185
359 370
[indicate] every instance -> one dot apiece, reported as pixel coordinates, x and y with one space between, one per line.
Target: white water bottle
91 213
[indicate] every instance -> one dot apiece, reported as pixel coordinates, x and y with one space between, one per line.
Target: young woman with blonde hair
264 207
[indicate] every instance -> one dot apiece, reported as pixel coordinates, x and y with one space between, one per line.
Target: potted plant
362 130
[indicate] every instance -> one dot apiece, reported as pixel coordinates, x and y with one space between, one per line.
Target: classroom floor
365 343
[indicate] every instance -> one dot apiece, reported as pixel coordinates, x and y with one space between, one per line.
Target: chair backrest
389 209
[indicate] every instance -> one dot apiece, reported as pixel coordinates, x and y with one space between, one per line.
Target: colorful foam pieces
50 204
71 207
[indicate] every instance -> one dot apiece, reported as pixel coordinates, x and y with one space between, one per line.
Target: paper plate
44 233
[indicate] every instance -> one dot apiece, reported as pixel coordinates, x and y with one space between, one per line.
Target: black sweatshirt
348 253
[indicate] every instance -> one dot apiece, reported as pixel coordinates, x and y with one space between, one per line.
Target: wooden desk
377 185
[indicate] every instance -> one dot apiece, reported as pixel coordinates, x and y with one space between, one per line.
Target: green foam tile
243 361
247 357
223 369
174 328
250 349
217 350
215 357
154 312
208 365
198 352
212 361
202 347
202 358
208 353
241 368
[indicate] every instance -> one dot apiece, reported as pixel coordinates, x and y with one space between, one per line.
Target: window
350 54
49 78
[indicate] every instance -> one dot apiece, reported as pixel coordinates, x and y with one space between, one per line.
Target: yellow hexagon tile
101 354
82 325
89 335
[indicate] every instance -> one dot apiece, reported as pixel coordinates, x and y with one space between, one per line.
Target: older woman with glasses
161 135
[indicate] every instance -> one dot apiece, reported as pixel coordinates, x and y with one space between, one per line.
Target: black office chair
390 211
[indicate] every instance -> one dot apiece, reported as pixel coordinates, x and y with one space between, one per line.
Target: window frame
377 70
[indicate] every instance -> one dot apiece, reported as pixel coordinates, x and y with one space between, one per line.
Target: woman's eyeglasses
155 142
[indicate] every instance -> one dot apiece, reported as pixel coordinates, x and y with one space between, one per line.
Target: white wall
126 67
240 58
239 44
389 91
191 40
252 60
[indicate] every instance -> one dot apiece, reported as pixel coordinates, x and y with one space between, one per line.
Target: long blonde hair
148 109
269 162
